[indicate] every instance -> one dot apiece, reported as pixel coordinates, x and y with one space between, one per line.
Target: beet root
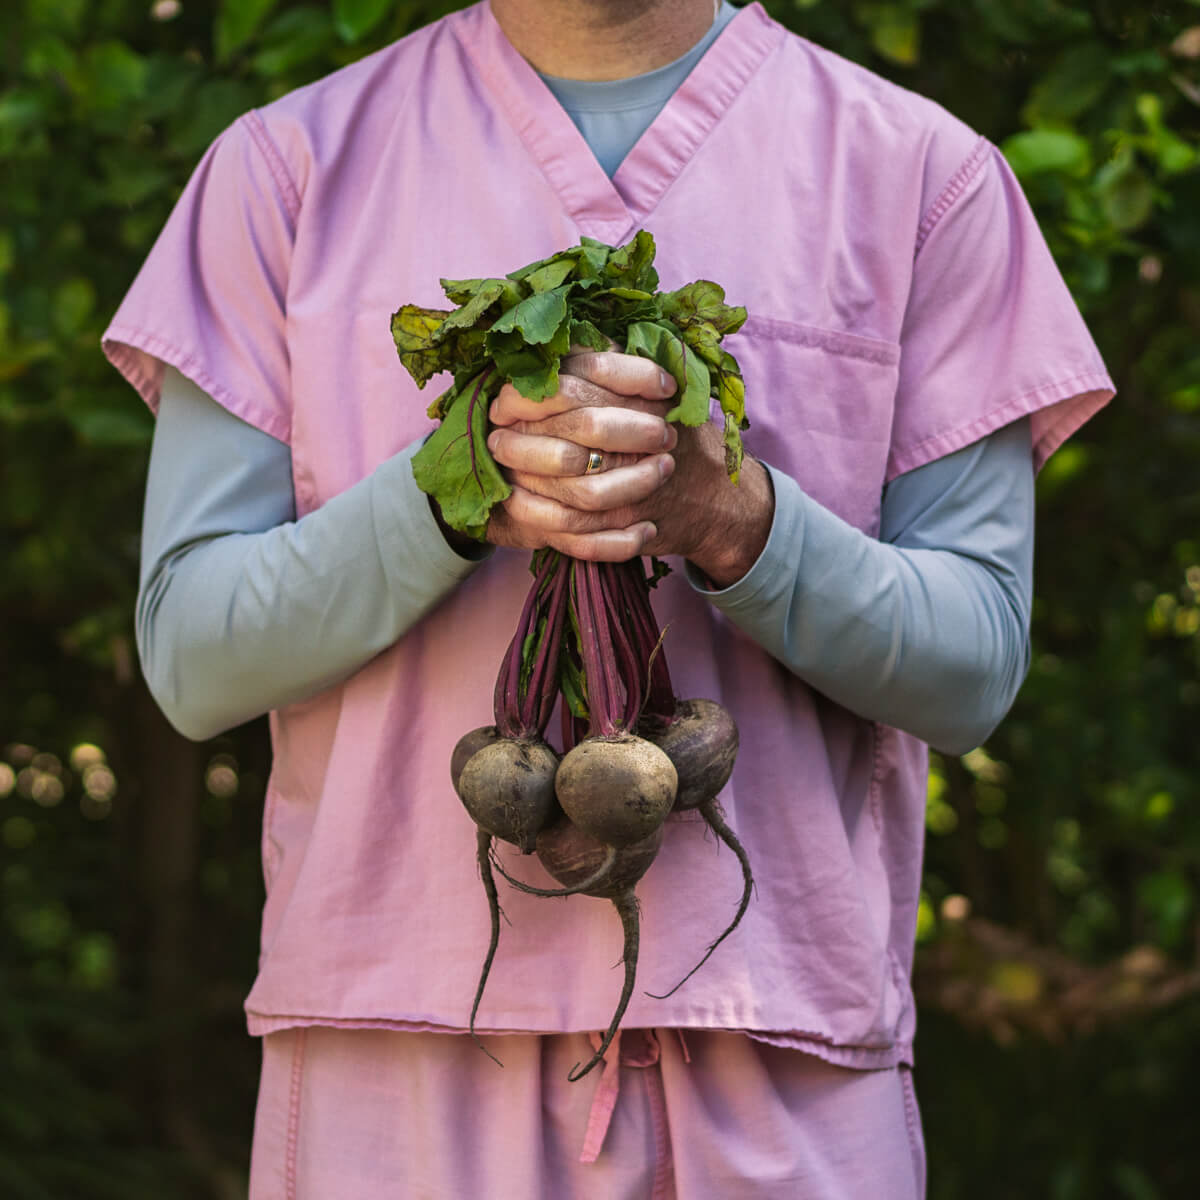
508 788
618 789
573 856
483 855
712 814
701 740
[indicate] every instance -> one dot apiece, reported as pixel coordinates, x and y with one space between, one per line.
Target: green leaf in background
1168 898
74 301
237 22
1126 196
113 75
1039 150
355 18
895 32
294 40
1073 84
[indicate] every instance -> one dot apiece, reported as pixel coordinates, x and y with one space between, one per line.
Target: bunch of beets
632 753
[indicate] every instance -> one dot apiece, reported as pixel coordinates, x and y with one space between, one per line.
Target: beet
508 788
572 856
467 746
619 789
701 740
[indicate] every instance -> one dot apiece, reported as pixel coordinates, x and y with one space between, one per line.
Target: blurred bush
1059 929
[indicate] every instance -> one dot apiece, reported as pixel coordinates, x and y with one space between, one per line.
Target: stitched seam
952 191
875 787
293 1132
265 144
664 1166
847 345
1015 406
912 1121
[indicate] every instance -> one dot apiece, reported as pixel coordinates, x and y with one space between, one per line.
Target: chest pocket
820 405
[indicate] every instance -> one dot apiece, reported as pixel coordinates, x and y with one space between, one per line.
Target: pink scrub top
903 304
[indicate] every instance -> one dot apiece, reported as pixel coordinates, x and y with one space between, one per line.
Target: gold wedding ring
595 463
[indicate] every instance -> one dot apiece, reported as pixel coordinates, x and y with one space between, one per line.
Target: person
911 358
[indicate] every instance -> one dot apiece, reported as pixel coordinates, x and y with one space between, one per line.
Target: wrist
738 533
460 543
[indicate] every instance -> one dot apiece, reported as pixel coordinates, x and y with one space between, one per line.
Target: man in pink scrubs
911 357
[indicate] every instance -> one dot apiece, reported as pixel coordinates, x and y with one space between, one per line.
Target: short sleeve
990 331
211 297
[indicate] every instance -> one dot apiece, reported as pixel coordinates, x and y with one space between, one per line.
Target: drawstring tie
643 1052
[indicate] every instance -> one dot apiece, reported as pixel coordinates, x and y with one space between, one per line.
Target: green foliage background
1058 970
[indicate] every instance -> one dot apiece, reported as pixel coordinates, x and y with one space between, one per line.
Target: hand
638 503
608 403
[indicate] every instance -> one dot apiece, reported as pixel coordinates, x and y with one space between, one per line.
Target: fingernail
649 532
670 437
666 380
493 438
666 466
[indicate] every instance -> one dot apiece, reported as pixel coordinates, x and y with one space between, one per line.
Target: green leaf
413 330
114 75
550 275
483 296
1126 194
456 468
355 18
632 266
293 40
1078 78
584 333
211 108
1039 150
663 343
703 301
237 22
895 33
112 426
537 318
734 450
74 302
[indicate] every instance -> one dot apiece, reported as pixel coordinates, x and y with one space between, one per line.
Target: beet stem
627 909
711 812
543 678
483 849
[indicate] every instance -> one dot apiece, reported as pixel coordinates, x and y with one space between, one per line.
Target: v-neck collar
603 208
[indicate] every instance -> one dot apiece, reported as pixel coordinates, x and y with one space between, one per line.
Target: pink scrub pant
363 1114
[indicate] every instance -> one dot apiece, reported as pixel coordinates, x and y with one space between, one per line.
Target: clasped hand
659 490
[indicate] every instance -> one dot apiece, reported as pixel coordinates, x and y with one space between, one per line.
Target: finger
608 545
573 392
543 455
599 544
625 374
614 430
605 492
544 516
